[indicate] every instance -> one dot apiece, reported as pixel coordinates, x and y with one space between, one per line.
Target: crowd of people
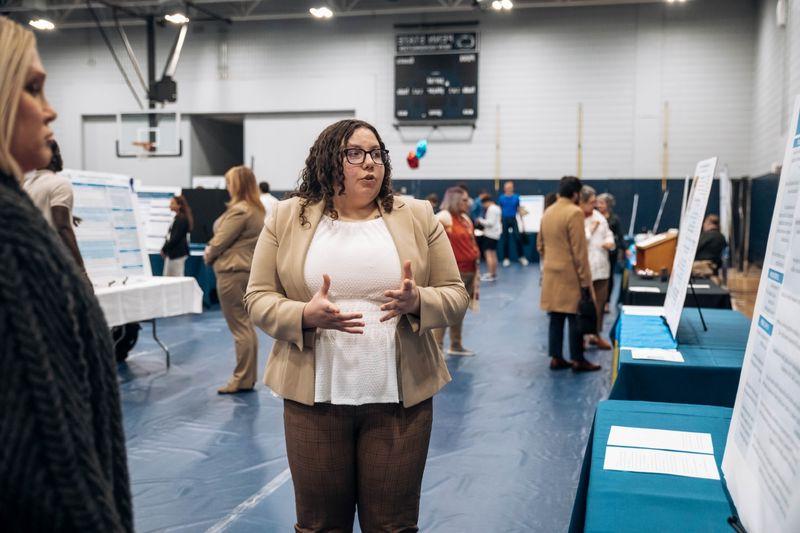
478 227
357 286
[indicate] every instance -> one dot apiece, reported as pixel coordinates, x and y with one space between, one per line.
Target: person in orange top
456 222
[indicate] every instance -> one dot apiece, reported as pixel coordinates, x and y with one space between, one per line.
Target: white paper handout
657 354
681 441
645 289
643 310
661 462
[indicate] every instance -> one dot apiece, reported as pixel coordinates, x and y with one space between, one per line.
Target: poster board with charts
155 214
763 448
688 237
110 236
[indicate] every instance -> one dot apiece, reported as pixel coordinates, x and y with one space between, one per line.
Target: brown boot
584 366
558 363
602 344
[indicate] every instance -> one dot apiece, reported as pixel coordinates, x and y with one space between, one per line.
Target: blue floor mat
505 454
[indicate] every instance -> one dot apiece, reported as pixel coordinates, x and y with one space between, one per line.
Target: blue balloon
422 148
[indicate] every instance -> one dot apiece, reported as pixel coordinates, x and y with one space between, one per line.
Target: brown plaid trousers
367 456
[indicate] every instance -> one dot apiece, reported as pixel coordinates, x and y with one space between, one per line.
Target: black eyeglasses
356 156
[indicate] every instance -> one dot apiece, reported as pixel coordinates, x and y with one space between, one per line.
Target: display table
146 299
609 500
639 291
706 377
195 268
727 332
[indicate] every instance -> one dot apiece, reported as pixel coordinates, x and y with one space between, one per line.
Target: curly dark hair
324 169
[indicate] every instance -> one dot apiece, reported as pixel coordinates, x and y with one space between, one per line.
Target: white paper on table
643 310
681 441
661 462
645 289
657 354
700 286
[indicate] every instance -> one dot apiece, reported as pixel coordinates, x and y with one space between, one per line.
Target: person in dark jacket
710 247
63 465
176 248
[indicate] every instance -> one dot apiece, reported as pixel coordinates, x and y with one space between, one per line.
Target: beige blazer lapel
301 241
400 224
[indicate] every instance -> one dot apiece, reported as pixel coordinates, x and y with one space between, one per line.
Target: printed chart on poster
155 214
109 234
691 226
762 455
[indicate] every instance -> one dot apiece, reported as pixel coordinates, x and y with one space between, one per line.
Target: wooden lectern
657 252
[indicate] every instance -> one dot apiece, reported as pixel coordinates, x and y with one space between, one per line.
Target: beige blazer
277 294
564 257
236 232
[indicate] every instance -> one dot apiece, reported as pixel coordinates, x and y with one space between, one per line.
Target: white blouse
597 234
362 262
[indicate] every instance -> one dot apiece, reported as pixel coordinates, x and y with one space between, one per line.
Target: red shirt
462 239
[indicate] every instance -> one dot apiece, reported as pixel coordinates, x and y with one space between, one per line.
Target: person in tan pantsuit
566 275
351 281
231 253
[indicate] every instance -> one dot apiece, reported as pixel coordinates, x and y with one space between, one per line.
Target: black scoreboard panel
434 87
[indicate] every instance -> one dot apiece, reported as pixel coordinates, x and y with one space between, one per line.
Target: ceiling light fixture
321 12
499 5
177 18
42 24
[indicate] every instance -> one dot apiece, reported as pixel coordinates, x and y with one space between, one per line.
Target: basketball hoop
145 148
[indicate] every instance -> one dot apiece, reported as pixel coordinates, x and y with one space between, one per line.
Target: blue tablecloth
713 359
727 329
706 377
612 501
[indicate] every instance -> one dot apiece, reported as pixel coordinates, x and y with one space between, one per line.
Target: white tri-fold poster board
533 204
109 235
155 214
762 456
691 226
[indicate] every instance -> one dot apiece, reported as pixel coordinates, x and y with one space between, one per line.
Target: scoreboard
436 77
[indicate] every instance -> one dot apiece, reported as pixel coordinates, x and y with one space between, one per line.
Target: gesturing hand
321 313
404 301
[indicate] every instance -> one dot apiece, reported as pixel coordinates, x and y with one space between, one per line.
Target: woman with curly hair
63 465
351 282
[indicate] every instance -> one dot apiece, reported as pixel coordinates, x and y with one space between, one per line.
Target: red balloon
412 159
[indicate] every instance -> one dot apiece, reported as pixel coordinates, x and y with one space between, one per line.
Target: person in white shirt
492 223
267 199
52 194
600 240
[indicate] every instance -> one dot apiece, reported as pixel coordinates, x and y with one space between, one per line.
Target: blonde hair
17 46
452 199
243 187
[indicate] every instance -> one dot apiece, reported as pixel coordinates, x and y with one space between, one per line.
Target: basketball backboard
149 134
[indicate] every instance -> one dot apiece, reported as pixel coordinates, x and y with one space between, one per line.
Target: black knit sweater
62 449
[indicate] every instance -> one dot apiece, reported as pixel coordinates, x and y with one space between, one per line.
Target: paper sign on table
681 441
643 310
657 354
661 462
645 289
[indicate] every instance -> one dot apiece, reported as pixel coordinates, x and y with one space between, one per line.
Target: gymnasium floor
507 443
